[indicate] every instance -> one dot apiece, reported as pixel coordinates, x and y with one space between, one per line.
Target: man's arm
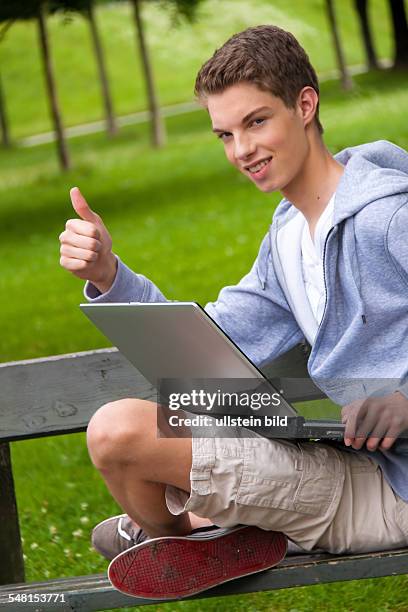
254 313
396 241
378 421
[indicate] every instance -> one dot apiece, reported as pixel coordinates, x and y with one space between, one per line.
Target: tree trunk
52 90
157 124
346 81
5 135
400 27
103 77
361 8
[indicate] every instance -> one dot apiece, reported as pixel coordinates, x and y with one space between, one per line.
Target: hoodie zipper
324 279
324 271
326 300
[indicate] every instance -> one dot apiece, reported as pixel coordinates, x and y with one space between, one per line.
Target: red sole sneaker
175 567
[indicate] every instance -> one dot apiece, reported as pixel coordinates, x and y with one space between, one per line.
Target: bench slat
89 593
57 395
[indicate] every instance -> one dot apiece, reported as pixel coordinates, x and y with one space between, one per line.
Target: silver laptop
174 344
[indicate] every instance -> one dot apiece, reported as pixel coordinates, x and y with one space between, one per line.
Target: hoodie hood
373 171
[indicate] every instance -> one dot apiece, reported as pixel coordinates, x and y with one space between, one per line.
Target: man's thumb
81 206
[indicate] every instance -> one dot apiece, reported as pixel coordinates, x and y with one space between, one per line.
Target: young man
332 269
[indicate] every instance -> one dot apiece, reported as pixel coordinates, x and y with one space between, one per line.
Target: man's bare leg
137 465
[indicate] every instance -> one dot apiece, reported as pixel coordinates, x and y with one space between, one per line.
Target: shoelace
138 535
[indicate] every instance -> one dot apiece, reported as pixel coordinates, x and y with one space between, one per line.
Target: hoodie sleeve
397 240
127 287
254 313
397 245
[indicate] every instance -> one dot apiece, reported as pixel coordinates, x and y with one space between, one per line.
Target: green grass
177 53
181 216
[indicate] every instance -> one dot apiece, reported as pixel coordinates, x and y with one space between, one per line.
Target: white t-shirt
302 265
312 260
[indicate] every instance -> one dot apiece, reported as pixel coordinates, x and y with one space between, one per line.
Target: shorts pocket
271 474
322 480
303 478
203 461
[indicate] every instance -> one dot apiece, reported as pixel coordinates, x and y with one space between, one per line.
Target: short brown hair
267 56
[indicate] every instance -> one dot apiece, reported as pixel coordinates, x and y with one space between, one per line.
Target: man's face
263 138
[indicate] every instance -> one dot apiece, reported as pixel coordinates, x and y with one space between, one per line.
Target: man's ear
307 103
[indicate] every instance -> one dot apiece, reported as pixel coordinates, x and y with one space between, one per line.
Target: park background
177 213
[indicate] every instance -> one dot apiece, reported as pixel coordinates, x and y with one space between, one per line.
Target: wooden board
56 395
89 593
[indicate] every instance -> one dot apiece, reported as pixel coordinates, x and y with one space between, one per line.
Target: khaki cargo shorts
319 496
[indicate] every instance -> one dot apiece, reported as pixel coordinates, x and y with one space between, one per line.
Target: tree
345 78
12 10
400 27
180 8
362 12
6 21
62 148
157 124
87 9
100 60
5 134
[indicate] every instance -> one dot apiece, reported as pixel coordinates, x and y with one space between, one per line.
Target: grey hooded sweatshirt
361 347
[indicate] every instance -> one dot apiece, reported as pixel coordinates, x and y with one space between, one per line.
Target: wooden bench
58 395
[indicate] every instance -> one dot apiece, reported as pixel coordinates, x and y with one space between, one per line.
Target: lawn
184 218
177 53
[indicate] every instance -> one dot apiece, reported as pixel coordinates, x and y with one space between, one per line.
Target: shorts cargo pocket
200 475
179 501
322 479
271 475
303 478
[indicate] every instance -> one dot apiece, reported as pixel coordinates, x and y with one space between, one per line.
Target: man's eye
224 135
258 121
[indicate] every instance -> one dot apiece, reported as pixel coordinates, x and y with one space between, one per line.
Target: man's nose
243 147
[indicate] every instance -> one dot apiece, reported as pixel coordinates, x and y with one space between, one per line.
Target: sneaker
116 534
175 567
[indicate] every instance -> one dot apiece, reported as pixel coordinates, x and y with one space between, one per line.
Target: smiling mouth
257 167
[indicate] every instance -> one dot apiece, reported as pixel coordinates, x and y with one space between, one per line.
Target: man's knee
119 431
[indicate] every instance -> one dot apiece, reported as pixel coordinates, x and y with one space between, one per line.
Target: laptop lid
177 340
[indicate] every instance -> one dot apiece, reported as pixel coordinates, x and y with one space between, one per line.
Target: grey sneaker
118 533
179 566
115 535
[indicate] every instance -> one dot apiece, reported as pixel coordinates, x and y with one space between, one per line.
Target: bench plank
60 394
90 593
57 395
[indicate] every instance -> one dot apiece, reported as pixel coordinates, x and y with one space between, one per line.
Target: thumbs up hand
86 246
